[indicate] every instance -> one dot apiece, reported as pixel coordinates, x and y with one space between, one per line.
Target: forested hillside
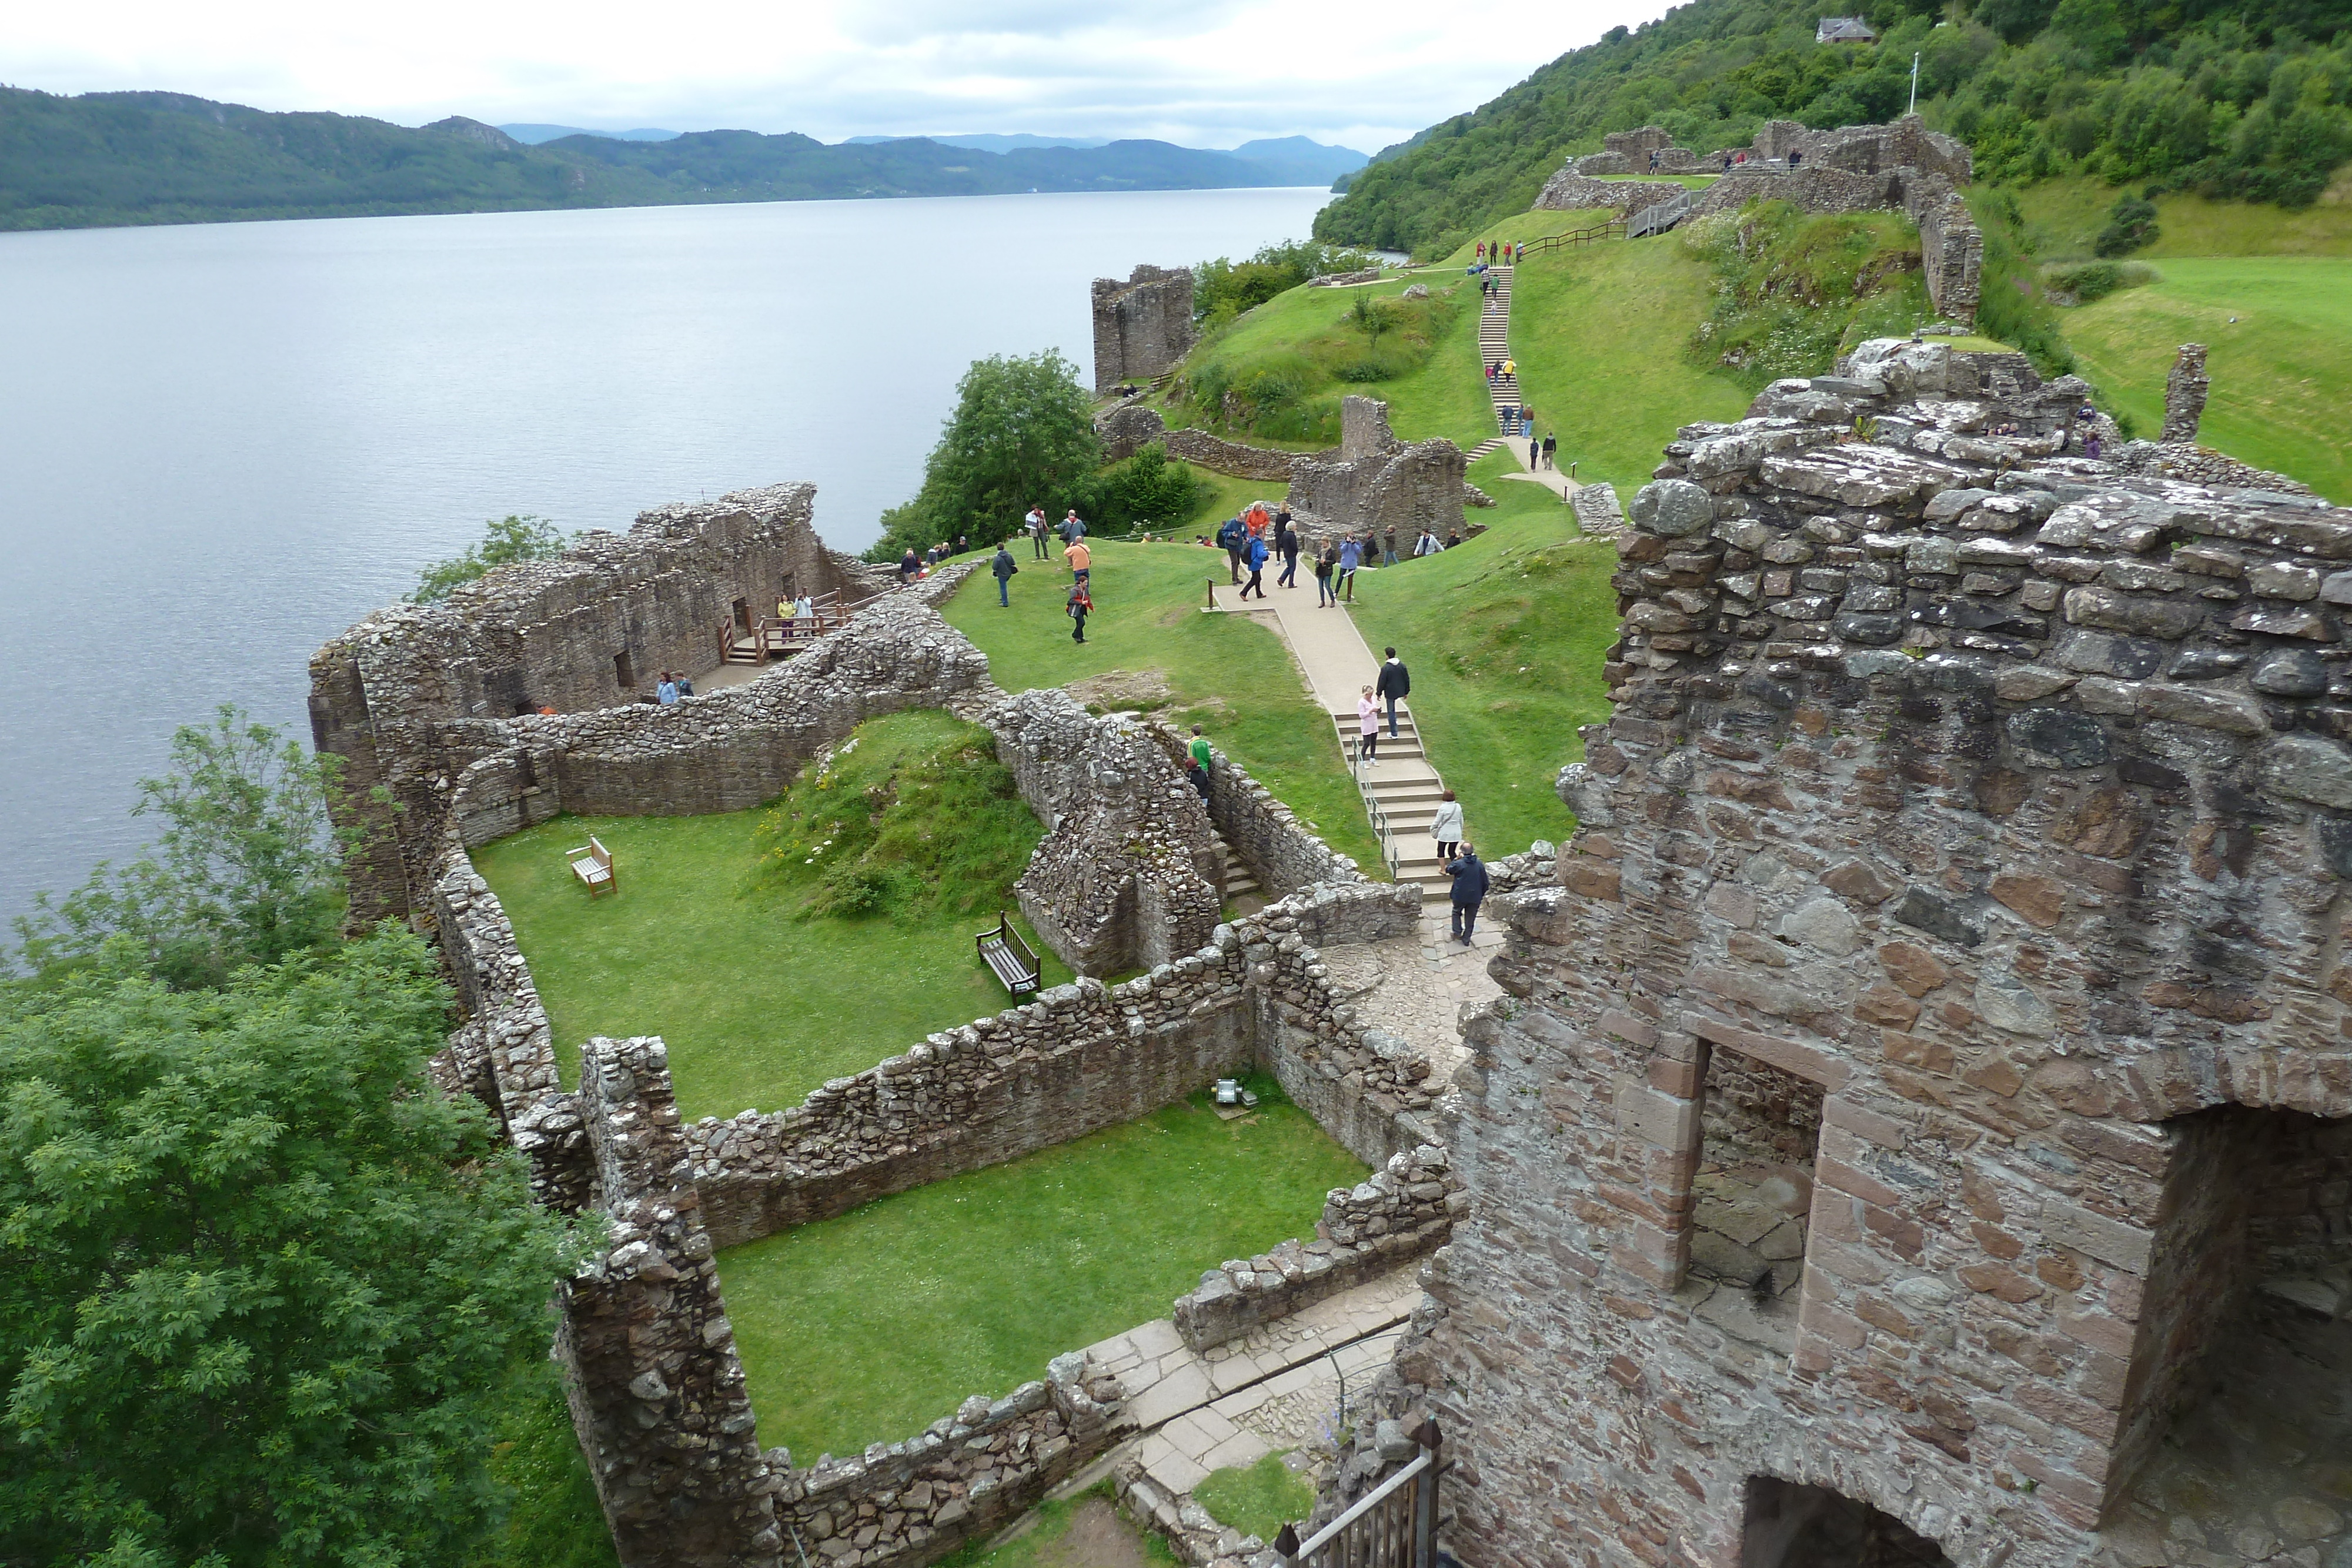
157 158
2244 99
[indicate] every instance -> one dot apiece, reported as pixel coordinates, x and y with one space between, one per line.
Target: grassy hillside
2064 216
2234 98
155 157
2280 334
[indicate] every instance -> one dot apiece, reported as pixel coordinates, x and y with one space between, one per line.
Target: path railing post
1285 1546
1425 1501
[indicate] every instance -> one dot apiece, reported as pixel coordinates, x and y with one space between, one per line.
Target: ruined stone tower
2184 395
1919 1128
1143 326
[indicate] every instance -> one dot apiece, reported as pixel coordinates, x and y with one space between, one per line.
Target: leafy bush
1222 289
2131 224
2089 280
506 541
2011 305
1146 488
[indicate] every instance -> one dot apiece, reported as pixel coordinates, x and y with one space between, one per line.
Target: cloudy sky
1201 72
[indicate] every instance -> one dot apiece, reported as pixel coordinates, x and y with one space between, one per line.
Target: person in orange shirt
1079 559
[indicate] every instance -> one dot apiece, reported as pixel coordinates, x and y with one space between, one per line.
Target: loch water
221 444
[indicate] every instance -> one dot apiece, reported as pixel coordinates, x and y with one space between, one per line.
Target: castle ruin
1143 326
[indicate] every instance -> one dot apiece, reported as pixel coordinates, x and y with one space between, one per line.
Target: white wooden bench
1008 958
592 863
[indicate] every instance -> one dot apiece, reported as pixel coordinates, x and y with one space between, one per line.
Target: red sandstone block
1916 1050
1902 1234
1814 1066
2103 1378
2100 1332
1730 902
1630 1260
1853 1265
1886 1007
1818 1318
1997 1279
1626 1027
1880 1314
1676 1077
1836 1172
1626 1372
2069 1410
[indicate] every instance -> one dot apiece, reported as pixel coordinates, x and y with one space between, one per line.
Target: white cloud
1210 73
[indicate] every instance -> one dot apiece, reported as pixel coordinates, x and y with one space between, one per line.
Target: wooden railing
1394 1525
1574 238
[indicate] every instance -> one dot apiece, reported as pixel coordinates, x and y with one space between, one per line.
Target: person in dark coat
1469 891
1285 544
1394 683
909 566
1230 538
1076 606
1003 567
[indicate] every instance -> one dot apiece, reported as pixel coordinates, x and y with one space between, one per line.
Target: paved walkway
1273 1389
1417 986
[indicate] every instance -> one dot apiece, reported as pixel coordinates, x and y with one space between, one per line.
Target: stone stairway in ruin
1402 789
1239 882
1495 345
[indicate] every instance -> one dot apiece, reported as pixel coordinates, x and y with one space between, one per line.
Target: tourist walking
1427 545
1447 827
1080 561
1551 451
1393 683
1388 546
1230 535
666 689
1004 567
1037 530
1285 544
1255 555
1535 448
1368 728
1077 607
1323 562
1198 758
685 685
1351 555
1072 528
1469 891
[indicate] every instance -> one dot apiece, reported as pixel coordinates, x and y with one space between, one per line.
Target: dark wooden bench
1008 958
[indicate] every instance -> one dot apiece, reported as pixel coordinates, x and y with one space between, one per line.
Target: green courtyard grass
1505 636
1256 1499
1227 674
869 1327
1071 1534
704 946
2279 335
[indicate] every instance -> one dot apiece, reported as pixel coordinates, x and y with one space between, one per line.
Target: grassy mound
1793 289
868 1328
713 945
1225 673
2279 332
1277 375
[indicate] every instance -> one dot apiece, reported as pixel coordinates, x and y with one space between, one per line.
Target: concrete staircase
1400 793
1495 344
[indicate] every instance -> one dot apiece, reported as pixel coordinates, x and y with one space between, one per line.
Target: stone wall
1130 872
1143 326
1236 458
1267 835
1404 1209
1377 483
2004 799
2184 395
588 631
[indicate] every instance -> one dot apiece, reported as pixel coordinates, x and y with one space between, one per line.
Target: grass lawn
1085 1531
1505 636
869 1327
1256 1499
2282 396
702 947
2063 216
1601 335
1226 497
1308 327
1228 675
553 1519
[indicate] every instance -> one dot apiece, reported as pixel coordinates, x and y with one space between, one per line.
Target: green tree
505 542
1022 429
264 1287
248 869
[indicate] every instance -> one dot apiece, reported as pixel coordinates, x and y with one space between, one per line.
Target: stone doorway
1752 1194
2236 1439
1793 1526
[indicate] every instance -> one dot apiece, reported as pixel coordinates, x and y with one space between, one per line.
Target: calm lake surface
220 444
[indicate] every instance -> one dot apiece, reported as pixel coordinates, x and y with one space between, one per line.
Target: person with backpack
1393 683
1072 528
1003 567
1076 608
1255 554
1468 892
1230 535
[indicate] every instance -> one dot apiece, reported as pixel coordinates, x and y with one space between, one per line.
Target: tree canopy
1023 430
505 542
263 1287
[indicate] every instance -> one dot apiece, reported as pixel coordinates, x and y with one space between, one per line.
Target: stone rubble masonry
1597 510
2004 796
1142 326
564 634
1377 483
1854 169
1129 873
1404 1209
1345 279
1130 427
1267 835
658 1389
2184 395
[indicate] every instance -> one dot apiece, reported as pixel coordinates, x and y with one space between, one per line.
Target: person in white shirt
1446 828
1035 523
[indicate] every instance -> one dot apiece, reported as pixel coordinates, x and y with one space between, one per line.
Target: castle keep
1919 1126
1142 326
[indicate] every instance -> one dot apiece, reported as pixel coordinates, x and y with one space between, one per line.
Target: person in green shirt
1200 749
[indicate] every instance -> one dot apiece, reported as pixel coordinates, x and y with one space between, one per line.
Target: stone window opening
1752 1194
624 673
1790 1526
2237 1407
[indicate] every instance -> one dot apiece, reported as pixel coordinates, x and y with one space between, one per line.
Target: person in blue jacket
1470 880
1254 554
1230 535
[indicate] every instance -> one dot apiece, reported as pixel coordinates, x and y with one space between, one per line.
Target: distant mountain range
1302 161
107 159
532 135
